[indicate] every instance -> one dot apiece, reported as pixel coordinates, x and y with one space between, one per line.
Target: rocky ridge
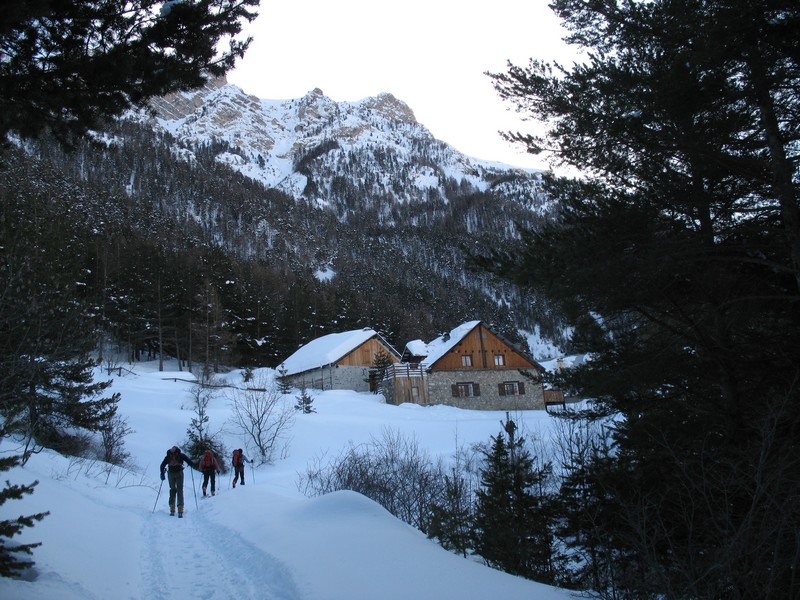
305 146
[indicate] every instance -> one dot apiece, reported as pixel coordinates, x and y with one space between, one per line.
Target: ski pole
191 470
252 473
158 496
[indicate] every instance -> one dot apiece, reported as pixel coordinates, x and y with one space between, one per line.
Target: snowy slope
102 539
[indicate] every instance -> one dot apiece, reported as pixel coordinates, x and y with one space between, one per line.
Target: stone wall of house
440 390
333 378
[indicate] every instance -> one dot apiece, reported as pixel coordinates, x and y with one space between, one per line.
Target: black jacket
178 458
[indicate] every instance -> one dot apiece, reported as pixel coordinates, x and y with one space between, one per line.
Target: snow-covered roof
416 348
326 350
443 344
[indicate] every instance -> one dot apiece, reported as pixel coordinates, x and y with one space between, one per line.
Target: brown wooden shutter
521 388
477 388
501 389
454 389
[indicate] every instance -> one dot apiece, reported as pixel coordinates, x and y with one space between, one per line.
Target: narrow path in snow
218 562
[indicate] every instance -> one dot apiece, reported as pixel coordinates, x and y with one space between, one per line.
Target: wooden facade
554 398
364 355
333 362
471 367
483 349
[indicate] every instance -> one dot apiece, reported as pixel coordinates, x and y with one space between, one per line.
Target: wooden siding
364 355
405 383
482 345
554 398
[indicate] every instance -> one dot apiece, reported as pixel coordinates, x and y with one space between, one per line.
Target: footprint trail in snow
218 563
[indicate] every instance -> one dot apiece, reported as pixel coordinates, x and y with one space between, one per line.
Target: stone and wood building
339 361
470 367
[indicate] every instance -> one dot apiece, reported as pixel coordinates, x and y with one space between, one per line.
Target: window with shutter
465 390
512 388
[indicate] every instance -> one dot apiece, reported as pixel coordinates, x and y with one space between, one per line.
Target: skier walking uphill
173 463
238 465
210 467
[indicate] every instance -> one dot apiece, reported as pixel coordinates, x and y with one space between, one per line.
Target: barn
338 361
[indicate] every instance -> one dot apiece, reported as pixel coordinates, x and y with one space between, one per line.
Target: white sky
431 54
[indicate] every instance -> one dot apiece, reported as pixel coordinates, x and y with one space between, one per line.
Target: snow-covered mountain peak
392 108
305 146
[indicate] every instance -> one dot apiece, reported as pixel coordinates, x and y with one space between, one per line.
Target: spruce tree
305 402
10 564
48 395
380 363
451 516
284 386
67 67
512 524
198 435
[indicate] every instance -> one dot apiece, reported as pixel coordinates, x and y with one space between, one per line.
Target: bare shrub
393 471
262 415
113 435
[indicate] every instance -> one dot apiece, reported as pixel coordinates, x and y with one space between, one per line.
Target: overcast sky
431 54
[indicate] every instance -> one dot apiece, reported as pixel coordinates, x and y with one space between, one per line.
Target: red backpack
237 458
208 461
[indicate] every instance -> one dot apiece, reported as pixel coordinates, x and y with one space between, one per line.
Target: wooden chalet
338 361
469 367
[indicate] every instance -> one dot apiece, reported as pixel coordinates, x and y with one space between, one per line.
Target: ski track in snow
219 562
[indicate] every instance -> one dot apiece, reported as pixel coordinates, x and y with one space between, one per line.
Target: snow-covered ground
103 539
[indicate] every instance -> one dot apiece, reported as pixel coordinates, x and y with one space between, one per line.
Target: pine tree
68 66
676 259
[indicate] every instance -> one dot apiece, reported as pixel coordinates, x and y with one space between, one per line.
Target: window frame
466 389
516 388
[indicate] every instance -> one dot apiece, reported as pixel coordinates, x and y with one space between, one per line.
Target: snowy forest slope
291 219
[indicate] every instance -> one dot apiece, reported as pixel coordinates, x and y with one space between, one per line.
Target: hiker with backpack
238 465
210 468
173 464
